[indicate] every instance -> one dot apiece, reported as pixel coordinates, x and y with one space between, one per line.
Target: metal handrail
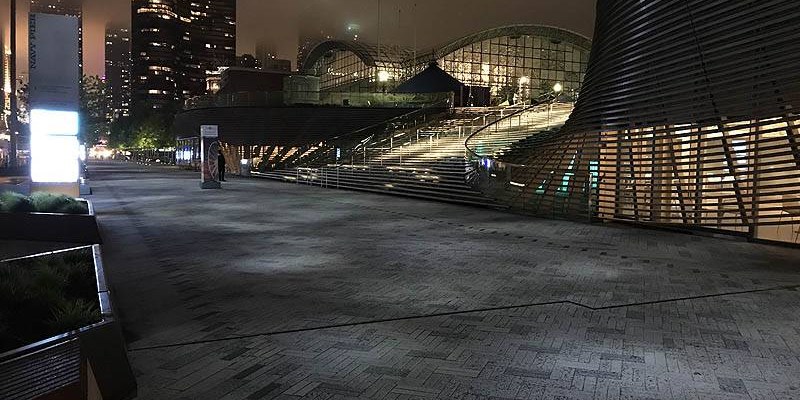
330 144
535 103
441 104
491 111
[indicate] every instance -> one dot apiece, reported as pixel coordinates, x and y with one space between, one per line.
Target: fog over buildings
280 23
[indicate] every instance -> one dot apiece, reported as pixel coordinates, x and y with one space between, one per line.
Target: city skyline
282 21
174 45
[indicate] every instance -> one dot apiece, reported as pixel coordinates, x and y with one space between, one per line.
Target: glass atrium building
515 63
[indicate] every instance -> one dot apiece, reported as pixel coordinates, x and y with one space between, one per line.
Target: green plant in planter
47 202
16 203
46 296
75 207
41 202
57 203
71 315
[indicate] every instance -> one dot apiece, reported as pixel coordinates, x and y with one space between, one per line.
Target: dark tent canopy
431 80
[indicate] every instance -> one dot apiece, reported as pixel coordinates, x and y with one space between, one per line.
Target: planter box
88 363
43 227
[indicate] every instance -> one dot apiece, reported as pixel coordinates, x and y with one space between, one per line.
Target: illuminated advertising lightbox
54 93
209 153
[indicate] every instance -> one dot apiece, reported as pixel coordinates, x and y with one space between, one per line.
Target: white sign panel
54 98
54 62
209 131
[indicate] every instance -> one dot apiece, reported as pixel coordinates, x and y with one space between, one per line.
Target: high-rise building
155 28
72 8
209 41
118 72
175 44
248 61
265 52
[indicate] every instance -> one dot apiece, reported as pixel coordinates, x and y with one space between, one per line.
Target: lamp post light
557 89
383 79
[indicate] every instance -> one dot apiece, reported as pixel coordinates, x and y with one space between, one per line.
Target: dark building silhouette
63 7
118 72
248 61
175 43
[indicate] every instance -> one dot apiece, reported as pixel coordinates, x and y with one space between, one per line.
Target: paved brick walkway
272 290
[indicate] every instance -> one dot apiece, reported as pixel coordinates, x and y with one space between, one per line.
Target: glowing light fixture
383 76
54 159
50 123
54 146
558 87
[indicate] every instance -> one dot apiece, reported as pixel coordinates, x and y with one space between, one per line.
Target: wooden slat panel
687 116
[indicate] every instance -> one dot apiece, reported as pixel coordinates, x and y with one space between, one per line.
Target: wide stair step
449 188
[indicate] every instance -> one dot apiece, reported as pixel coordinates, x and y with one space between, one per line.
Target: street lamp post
557 89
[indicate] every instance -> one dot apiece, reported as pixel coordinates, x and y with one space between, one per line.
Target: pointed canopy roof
432 79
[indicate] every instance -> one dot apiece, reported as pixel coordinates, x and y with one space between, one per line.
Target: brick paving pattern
271 290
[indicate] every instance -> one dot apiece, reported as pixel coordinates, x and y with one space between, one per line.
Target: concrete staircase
429 162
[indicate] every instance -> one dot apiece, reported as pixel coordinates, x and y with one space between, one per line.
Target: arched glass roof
393 56
551 32
398 57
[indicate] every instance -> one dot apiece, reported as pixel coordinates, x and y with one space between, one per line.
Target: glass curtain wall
344 70
518 68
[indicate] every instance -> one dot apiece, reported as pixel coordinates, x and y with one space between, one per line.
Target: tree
94 109
153 132
121 133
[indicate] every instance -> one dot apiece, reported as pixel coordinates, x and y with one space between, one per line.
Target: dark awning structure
432 79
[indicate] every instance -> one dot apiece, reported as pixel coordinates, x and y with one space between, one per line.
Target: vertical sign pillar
54 103
209 157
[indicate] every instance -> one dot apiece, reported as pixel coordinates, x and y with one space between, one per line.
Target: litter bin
244 167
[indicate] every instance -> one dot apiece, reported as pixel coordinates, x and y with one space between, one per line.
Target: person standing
221 166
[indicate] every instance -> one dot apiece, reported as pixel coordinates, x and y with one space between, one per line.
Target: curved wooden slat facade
688 116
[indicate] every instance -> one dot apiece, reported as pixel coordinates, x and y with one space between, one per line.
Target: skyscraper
209 40
265 52
174 43
63 7
155 28
118 72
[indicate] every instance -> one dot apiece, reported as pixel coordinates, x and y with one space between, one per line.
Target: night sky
279 22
